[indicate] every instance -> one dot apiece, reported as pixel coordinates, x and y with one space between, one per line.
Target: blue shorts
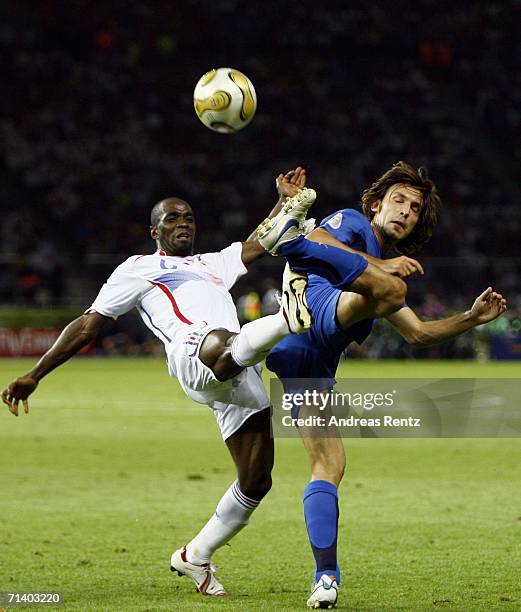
316 354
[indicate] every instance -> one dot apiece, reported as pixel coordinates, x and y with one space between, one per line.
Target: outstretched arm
288 185
73 338
401 266
487 307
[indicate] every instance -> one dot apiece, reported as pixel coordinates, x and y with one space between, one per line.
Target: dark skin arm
73 338
288 185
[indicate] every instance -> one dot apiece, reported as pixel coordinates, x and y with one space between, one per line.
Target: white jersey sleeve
227 264
121 292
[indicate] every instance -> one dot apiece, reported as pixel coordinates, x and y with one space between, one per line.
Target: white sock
257 338
231 515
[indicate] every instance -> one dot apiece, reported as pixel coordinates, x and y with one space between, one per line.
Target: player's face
398 213
175 230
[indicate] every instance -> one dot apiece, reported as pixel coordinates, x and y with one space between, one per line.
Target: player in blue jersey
184 298
399 213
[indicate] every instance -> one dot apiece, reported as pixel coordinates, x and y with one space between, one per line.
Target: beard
385 234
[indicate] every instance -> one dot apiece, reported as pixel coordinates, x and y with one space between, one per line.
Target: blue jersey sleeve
350 227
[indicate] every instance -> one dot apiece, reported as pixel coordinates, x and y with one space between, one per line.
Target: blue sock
321 512
339 267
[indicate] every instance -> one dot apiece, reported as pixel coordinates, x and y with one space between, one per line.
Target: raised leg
341 268
347 271
227 353
387 296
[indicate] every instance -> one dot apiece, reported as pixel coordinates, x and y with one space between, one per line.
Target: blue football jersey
354 230
316 353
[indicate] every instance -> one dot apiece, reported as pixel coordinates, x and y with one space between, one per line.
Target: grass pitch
114 468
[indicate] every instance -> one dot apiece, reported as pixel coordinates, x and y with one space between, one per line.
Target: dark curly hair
405 174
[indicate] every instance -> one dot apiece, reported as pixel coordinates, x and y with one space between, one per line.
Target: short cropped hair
155 213
404 173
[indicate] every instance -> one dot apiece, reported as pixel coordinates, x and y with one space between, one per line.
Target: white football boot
288 224
293 301
324 593
202 575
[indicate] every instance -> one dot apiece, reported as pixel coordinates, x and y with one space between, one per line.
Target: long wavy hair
403 173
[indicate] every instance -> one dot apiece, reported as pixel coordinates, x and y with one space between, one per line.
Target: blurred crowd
500 339
97 124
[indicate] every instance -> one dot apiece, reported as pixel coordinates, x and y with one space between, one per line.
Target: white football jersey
172 292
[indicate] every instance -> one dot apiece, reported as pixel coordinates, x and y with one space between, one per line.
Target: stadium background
97 124
114 467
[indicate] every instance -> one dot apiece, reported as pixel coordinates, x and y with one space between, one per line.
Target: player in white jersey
184 300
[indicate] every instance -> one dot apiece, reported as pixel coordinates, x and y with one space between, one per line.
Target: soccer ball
225 100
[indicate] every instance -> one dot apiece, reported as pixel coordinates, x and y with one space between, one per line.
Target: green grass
114 468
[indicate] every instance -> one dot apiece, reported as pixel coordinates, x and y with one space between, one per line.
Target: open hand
289 184
19 390
488 306
401 266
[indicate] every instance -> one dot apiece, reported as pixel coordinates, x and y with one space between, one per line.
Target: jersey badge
163 266
336 221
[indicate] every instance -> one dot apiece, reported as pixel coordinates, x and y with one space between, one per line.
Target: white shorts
233 401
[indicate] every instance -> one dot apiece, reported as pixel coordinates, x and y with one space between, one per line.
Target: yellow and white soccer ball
225 100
